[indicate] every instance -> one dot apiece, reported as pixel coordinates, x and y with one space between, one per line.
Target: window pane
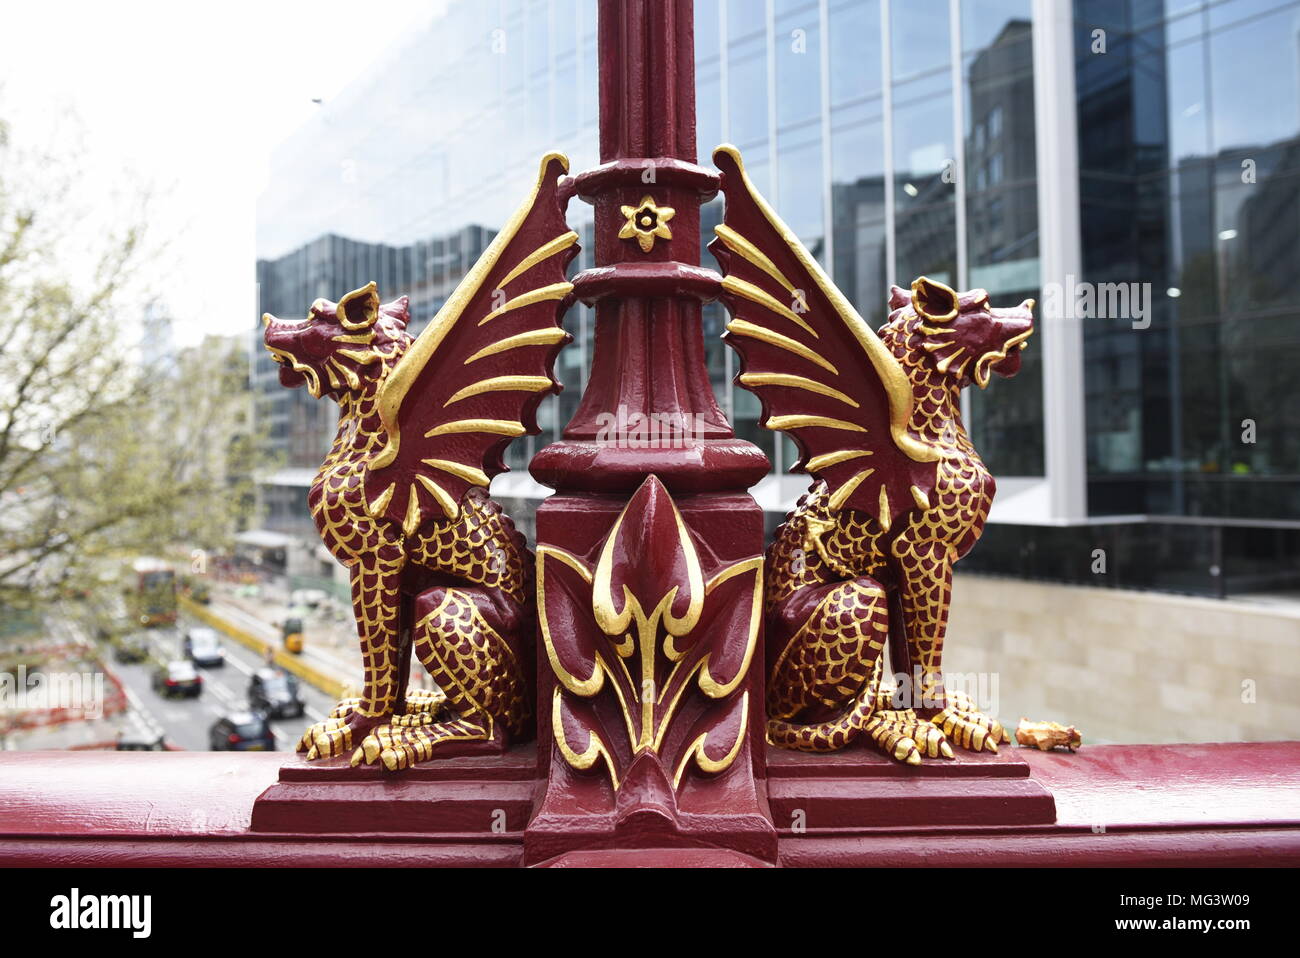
1002 220
858 208
854 48
920 38
800 193
798 69
747 92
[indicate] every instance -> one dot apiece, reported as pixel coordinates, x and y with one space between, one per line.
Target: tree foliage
110 446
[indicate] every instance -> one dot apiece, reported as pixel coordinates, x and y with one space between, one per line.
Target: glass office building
1148 149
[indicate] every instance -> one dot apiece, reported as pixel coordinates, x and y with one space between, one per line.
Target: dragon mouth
294 373
1019 341
1005 361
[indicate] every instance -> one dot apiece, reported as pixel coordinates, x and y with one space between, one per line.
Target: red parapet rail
1119 805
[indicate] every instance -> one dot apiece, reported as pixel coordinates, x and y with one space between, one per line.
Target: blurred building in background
1002 144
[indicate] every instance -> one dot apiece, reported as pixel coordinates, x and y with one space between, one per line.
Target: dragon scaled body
437 570
900 494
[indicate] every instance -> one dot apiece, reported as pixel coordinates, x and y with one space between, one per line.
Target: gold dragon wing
822 374
473 379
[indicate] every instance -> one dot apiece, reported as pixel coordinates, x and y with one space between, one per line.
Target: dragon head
334 350
964 338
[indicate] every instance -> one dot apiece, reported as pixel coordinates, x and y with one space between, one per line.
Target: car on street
202 646
131 648
140 742
178 678
241 732
276 694
197 590
311 598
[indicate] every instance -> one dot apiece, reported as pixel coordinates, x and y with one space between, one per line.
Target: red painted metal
649 348
648 361
1119 805
839 792
471 798
632 797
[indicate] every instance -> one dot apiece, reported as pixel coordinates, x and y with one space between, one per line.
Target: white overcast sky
191 98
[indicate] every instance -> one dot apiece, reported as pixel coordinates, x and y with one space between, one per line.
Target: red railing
1124 805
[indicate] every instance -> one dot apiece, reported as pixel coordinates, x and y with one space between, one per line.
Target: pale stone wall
1130 667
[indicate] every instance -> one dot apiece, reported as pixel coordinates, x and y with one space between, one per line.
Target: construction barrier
290 663
72 655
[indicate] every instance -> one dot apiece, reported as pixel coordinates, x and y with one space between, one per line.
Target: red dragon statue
437 570
900 493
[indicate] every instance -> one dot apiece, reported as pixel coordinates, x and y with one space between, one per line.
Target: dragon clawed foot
347 724
335 735
414 737
429 702
909 736
963 723
905 737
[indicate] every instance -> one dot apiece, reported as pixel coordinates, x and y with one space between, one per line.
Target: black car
178 678
131 648
241 732
202 646
275 693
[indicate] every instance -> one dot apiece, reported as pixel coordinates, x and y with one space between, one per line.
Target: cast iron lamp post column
648 367
649 356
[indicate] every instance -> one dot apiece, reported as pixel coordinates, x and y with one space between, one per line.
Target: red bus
152 593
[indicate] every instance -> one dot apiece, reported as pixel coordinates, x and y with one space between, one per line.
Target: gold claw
946 750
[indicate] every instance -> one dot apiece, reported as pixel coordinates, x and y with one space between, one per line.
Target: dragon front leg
376 605
925 591
467 637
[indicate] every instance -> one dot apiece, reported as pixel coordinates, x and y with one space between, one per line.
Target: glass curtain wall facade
1189 169
897 138
847 112
1189 176
404 179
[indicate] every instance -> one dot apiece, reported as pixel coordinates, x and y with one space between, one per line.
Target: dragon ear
360 308
399 311
898 297
933 300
